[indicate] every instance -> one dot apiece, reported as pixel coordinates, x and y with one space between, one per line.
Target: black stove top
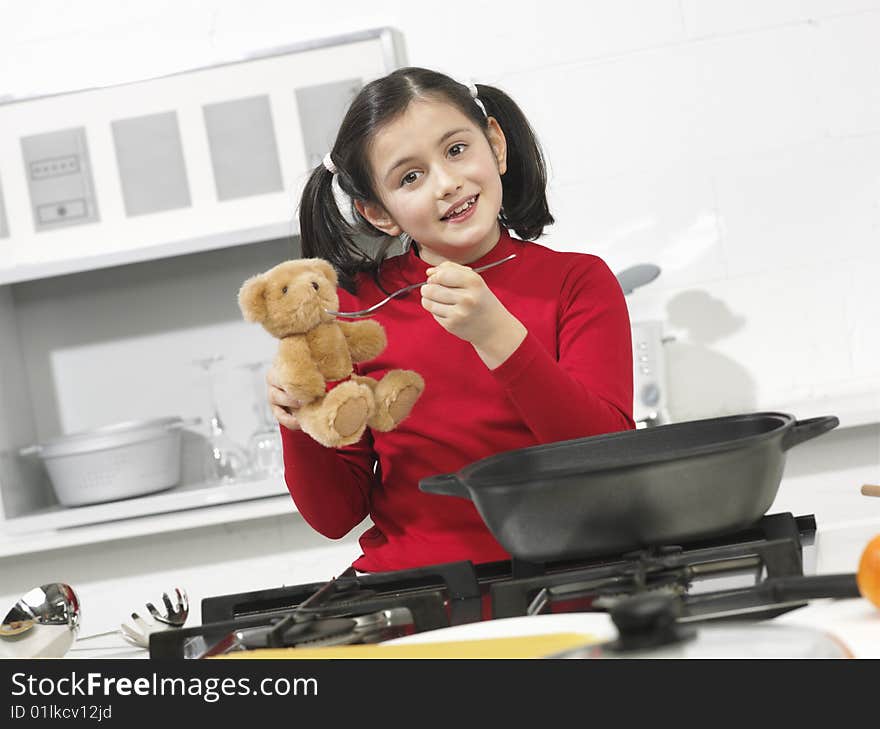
369 608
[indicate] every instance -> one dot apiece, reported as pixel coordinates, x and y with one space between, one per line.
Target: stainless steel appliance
649 363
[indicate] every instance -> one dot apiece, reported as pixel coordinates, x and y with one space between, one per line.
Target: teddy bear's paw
401 406
340 418
396 393
348 407
351 417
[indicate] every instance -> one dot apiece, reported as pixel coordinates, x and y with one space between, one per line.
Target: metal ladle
42 624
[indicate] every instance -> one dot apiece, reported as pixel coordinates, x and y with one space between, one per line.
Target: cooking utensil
870 489
175 616
42 624
370 310
618 492
113 462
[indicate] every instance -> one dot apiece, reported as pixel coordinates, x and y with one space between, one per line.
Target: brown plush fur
290 301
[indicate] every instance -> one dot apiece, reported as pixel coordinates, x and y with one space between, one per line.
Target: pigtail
524 203
324 231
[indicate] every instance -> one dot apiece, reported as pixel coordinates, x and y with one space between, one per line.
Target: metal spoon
42 624
366 312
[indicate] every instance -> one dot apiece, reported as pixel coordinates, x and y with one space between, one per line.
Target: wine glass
264 444
225 460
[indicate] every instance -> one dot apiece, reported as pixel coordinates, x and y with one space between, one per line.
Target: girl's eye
409 178
456 149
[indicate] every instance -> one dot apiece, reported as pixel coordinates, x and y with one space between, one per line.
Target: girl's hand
284 406
462 303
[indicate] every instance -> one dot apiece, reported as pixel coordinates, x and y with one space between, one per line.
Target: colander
113 462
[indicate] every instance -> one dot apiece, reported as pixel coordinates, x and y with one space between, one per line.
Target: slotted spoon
175 616
370 310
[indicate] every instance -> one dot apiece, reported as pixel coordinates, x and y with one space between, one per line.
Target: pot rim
106 437
471 477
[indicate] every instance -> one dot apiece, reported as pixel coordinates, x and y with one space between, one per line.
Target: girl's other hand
461 302
283 405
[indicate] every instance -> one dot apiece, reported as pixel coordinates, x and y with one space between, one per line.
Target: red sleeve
330 486
586 387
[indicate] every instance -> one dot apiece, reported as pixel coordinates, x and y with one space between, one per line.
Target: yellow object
526 646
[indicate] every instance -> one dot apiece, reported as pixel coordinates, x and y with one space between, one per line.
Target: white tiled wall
736 143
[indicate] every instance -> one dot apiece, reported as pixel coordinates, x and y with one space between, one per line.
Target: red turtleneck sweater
570 377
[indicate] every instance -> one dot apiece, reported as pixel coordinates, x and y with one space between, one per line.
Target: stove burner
357 608
330 631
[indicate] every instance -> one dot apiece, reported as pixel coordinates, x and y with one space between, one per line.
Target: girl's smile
438 177
459 213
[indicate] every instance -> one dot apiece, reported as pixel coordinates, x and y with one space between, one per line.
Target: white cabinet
129 217
197 160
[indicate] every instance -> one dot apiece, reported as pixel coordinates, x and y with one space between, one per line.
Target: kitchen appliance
632 489
650 400
112 462
649 362
755 573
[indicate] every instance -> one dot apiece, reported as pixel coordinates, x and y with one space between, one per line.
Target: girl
535 350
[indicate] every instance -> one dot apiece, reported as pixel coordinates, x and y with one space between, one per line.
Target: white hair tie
328 164
475 95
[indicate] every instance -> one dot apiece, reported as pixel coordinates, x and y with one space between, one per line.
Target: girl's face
438 178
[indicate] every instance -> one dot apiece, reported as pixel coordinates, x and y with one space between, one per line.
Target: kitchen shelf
195 517
36 271
189 496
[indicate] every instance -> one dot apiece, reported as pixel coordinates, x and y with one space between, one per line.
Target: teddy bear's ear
325 269
252 299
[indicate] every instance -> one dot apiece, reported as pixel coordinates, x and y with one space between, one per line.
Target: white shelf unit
197 160
178 498
151 524
101 318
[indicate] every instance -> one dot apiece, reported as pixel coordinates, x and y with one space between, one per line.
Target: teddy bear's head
292 297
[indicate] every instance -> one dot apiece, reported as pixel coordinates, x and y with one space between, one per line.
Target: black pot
618 492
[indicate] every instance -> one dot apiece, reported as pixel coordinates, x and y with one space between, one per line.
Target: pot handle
445 485
814 587
805 429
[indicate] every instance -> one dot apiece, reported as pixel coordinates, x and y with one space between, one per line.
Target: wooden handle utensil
870 489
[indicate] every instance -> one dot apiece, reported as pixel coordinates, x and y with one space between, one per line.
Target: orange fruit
868 576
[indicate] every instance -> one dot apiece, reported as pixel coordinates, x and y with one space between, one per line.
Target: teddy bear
316 352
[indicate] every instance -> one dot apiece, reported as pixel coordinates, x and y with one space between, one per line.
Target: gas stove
756 573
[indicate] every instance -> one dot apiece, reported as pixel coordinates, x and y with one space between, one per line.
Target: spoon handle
98 635
370 310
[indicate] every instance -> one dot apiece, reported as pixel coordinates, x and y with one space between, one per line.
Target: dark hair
327 234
